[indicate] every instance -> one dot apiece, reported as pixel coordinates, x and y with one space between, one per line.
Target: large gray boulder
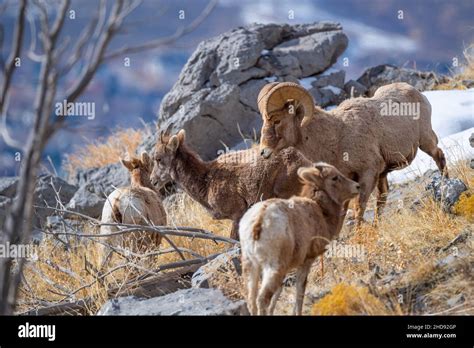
94 187
381 75
181 302
216 93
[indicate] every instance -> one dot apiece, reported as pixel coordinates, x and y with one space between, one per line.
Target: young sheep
278 235
358 137
137 204
229 185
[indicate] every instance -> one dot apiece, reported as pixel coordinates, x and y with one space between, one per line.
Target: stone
214 99
203 302
385 74
355 89
331 77
444 190
8 186
50 191
210 275
94 187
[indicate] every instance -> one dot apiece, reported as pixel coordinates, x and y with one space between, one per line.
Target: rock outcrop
50 191
215 97
381 75
94 187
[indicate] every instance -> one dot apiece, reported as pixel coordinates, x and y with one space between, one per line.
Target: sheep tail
257 227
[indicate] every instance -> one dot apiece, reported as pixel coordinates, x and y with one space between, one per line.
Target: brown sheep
137 204
229 185
278 235
359 137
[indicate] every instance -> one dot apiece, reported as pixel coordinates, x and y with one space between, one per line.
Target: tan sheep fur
227 186
355 137
278 235
137 204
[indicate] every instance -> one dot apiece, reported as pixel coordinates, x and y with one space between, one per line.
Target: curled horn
278 95
262 94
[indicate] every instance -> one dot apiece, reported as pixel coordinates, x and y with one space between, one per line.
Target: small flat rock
205 302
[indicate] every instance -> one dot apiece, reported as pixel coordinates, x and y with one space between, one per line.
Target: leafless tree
57 58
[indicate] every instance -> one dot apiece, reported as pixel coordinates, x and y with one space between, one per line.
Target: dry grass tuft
466 72
105 151
182 210
465 206
350 300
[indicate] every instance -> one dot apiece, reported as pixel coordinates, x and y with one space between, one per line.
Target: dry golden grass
105 151
182 210
466 72
82 260
351 300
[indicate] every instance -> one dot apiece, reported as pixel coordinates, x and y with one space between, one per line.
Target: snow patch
334 90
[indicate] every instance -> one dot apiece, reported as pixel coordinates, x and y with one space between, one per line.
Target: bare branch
167 40
31 51
17 42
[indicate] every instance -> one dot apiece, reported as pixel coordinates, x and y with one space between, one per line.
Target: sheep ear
145 158
310 176
181 136
161 138
173 144
127 164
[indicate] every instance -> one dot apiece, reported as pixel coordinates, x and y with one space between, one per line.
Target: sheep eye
334 178
277 122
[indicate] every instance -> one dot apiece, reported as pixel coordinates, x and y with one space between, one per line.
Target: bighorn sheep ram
137 204
229 185
278 235
365 138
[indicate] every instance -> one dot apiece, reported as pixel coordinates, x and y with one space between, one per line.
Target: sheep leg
367 185
274 300
234 232
382 186
251 274
301 280
429 145
271 281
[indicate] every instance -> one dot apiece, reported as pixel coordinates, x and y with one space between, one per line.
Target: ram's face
280 130
285 107
162 160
